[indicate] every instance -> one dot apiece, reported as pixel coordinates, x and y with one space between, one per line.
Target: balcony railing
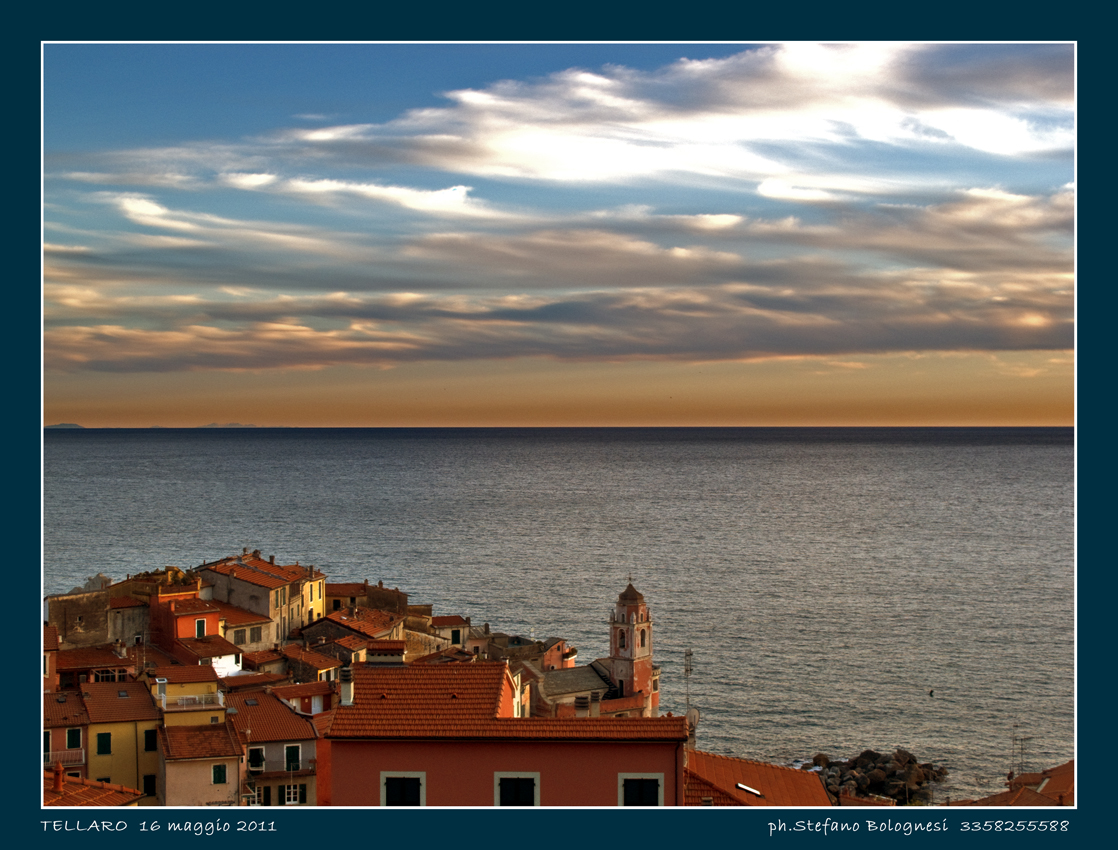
67 757
280 766
192 701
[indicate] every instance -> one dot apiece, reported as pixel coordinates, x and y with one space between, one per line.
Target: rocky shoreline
898 777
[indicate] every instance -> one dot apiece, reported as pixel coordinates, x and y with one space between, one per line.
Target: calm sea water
825 579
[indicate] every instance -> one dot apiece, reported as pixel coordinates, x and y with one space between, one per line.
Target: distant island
211 425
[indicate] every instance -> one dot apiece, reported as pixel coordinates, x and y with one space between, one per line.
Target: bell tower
630 650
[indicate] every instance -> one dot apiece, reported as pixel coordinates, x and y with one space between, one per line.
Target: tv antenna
1020 748
687 676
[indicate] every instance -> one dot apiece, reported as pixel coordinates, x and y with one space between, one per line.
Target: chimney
271 559
582 706
595 704
347 685
58 780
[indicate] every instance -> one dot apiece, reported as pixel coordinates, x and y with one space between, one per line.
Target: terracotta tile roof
1013 797
354 643
268 718
366 621
247 681
305 689
235 616
261 656
322 722
383 646
186 607
1058 782
258 571
105 703
184 673
462 701
62 790
699 792
50 638
346 589
64 708
210 646
315 659
89 658
181 743
449 620
126 602
779 785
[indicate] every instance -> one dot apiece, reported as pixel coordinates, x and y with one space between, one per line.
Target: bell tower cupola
630 650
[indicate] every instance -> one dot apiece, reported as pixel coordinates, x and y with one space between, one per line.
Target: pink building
445 735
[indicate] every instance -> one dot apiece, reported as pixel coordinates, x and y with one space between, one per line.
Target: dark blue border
559 828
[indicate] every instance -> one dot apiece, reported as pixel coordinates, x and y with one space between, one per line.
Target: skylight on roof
122 694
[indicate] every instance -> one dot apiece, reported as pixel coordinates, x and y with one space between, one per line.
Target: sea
813 590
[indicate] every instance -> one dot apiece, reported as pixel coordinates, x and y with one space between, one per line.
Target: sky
558 234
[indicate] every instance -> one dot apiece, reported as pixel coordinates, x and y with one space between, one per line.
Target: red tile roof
778 785
1058 782
462 701
270 719
261 656
105 703
1023 796
315 659
186 607
181 743
354 589
235 616
449 620
210 646
126 602
89 658
305 689
258 571
62 790
366 621
247 681
50 638
184 673
64 708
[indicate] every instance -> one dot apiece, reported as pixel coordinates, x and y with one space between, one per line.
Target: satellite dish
692 718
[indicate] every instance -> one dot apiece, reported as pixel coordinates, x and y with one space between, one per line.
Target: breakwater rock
899 776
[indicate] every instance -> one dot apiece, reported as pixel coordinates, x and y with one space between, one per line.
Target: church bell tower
630 651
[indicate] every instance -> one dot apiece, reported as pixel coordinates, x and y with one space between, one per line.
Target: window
516 789
150 745
239 637
337 605
312 593
642 638
104 743
255 758
46 740
291 757
149 784
73 739
277 599
219 774
620 639
292 795
455 635
403 788
254 634
199 628
640 789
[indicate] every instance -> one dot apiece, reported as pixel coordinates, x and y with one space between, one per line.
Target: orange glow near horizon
1010 389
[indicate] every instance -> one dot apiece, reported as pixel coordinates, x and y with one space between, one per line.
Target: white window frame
299 753
515 774
288 791
200 626
421 775
621 777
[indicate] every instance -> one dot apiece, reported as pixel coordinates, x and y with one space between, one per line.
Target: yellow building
123 735
187 695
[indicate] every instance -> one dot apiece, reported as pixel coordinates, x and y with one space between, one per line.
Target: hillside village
244 682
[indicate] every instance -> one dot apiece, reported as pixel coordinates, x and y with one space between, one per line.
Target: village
245 682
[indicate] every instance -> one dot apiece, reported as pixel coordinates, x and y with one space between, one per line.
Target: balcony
192 702
263 769
67 757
